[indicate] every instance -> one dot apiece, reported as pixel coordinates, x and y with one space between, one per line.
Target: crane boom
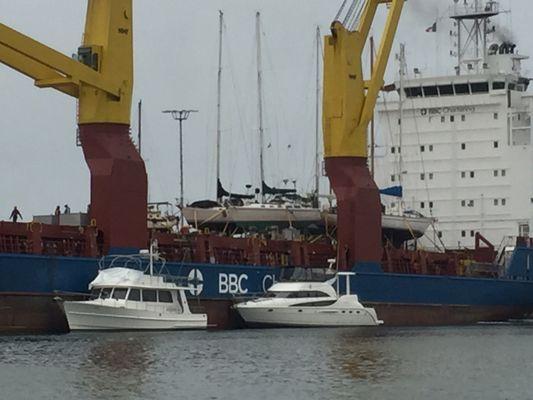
100 76
349 101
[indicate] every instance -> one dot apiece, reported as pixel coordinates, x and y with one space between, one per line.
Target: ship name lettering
232 283
268 280
447 110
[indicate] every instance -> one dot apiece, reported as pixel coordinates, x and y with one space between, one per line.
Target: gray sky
175 66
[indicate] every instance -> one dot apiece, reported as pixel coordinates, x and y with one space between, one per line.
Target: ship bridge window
119 293
95 293
446 90
106 293
480 87
461 88
498 85
149 295
430 91
413 91
165 296
134 295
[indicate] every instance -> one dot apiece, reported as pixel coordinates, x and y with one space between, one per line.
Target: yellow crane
348 106
101 78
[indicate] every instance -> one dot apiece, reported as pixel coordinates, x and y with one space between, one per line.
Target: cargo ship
41 262
462 149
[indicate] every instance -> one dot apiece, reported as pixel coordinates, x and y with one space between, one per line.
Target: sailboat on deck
269 206
281 207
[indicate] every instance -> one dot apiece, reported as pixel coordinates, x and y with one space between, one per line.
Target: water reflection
361 355
116 365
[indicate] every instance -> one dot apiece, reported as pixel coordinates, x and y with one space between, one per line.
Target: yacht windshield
106 293
95 293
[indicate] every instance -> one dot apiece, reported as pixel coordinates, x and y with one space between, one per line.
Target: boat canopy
127 277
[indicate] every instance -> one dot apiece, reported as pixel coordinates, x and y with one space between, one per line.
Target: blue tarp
396 191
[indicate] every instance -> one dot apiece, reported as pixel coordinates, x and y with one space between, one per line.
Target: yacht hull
305 317
87 316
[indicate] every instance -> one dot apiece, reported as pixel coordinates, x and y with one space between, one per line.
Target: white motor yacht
124 298
307 304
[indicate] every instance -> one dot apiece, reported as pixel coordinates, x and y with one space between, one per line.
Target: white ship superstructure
461 145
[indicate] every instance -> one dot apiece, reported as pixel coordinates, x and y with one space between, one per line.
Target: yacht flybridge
307 304
126 297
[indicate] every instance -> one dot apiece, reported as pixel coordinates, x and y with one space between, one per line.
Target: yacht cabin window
149 295
294 295
95 293
319 303
134 295
165 296
106 293
119 293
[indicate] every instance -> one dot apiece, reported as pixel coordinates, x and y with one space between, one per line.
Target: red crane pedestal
358 211
118 185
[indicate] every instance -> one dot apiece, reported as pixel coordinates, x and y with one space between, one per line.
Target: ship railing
490 8
138 262
305 274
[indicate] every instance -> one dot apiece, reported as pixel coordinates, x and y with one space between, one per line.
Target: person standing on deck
15 214
57 214
67 209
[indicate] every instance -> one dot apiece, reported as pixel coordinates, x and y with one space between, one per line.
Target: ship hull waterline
24 313
31 285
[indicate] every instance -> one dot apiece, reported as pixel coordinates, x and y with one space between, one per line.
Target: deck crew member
57 214
15 214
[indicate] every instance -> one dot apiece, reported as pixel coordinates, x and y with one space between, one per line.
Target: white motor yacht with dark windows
125 298
307 304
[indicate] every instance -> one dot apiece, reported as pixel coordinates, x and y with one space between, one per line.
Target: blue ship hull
30 284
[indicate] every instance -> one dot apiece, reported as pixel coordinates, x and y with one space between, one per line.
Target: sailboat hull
258 216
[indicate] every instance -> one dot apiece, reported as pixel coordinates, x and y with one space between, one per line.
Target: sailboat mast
400 111
219 98
260 102
317 121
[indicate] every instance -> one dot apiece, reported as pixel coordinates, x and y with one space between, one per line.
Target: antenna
471 19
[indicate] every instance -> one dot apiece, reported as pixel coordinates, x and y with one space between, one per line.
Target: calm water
481 362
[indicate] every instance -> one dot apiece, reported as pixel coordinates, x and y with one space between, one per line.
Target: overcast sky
175 67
